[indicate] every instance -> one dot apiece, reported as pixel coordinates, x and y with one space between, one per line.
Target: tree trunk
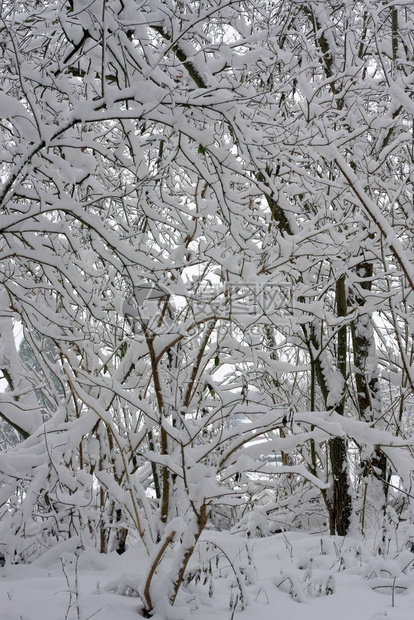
367 382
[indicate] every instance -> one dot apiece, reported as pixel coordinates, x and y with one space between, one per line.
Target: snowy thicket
206 244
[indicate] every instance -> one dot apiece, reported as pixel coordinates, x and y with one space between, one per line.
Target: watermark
161 309
250 298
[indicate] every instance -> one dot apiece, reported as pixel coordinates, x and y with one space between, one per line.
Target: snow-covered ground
290 576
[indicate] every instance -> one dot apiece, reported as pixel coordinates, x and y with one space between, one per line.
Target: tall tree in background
167 167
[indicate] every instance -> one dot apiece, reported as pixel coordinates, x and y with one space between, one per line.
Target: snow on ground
291 576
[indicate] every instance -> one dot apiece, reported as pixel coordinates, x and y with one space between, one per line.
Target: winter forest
206 309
